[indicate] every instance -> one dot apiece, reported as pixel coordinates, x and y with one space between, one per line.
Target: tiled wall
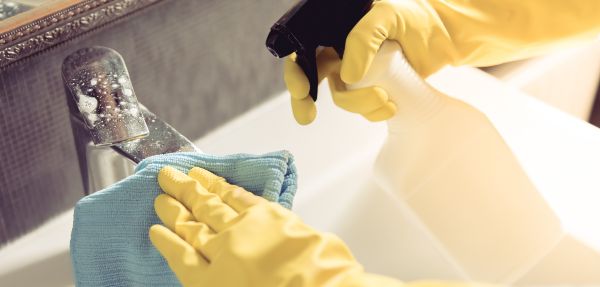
195 64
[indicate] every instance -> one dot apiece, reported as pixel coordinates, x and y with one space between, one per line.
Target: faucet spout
161 139
101 95
105 111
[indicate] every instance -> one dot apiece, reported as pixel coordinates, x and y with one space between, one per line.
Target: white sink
336 193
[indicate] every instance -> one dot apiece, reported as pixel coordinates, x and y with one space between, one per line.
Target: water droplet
87 104
115 86
133 112
122 80
127 92
92 118
93 82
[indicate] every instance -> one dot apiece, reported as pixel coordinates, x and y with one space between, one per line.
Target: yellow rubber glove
435 33
218 234
372 103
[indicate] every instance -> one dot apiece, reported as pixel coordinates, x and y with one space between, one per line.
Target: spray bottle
443 159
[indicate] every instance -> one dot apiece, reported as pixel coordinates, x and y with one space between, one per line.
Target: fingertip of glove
164 203
306 117
159 201
166 173
304 110
304 121
174 182
155 228
171 174
205 177
384 113
156 233
166 168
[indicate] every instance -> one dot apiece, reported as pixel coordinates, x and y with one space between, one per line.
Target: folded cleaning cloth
109 240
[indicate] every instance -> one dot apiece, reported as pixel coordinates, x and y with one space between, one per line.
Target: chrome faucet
112 130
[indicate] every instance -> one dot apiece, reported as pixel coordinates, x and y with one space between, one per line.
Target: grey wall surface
195 64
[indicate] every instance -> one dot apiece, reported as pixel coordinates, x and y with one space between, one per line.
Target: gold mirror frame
39 29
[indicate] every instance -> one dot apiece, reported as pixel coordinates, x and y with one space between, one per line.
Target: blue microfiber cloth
109 240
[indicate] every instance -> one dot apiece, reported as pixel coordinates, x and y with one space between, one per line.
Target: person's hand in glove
372 102
217 234
384 21
435 33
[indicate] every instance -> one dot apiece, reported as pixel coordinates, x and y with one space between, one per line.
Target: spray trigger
311 24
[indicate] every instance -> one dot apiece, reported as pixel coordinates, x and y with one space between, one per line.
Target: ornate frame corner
58 27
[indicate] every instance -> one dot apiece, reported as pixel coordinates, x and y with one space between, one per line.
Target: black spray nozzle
313 23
